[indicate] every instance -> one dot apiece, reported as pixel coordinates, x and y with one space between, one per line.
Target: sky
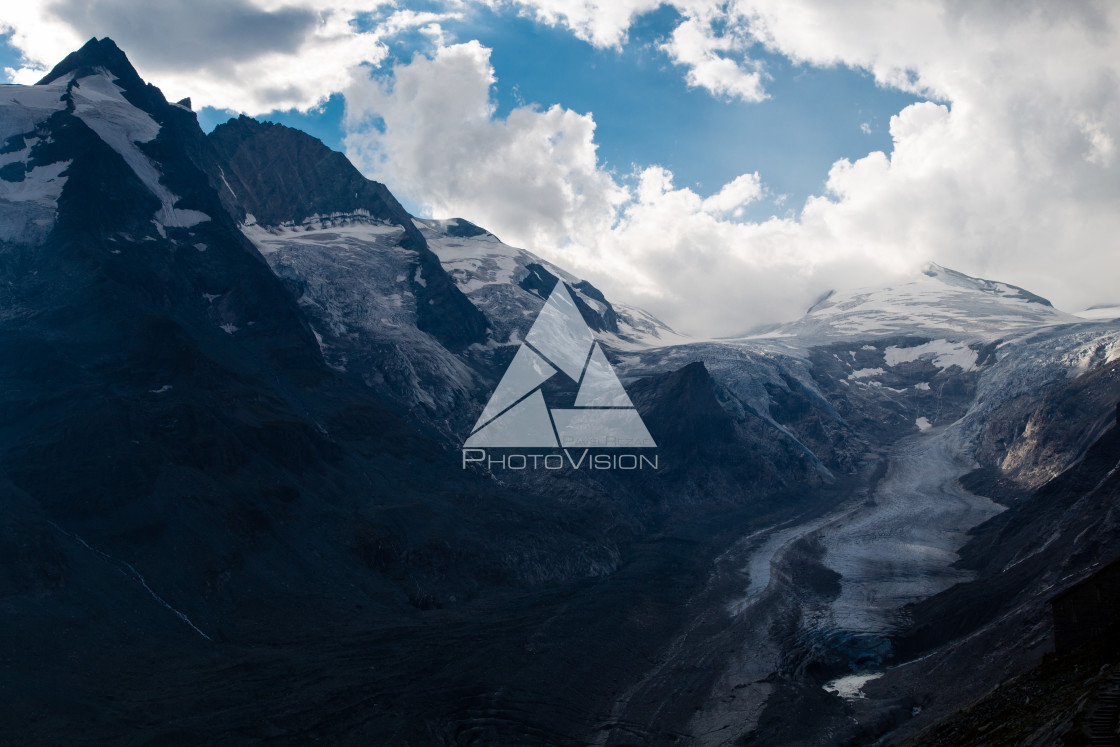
722 164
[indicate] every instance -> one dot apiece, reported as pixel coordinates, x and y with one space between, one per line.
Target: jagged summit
116 139
93 54
461 228
283 175
104 54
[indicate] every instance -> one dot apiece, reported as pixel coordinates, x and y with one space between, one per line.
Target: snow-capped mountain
506 282
236 374
386 293
938 300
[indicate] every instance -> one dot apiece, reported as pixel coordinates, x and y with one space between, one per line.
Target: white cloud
430 132
704 53
1102 148
251 56
603 23
734 196
711 40
1009 173
684 258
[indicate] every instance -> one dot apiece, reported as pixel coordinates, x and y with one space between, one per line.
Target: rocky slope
170 429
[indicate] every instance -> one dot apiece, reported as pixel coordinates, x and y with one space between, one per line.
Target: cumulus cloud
604 23
735 195
711 41
704 53
252 56
1009 171
430 132
1007 176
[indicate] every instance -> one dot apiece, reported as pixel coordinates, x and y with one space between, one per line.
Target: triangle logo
560 343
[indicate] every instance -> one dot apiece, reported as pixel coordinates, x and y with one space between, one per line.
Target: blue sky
647 114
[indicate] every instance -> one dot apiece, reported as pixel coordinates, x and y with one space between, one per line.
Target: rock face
236 374
1085 612
601 319
1044 544
682 406
141 215
173 439
283 176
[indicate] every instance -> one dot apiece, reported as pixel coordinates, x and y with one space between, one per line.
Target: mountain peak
968 282
103 56
95 53
285 175
936 300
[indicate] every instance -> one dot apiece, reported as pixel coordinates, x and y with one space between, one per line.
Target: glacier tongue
901 546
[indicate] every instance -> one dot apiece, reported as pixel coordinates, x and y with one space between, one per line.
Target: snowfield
28 197
101 104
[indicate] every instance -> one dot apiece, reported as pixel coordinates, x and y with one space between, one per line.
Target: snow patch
936 299
351 238
1112 351
865 373
29 207
923 424
23 107
850 687
942 353
100 103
